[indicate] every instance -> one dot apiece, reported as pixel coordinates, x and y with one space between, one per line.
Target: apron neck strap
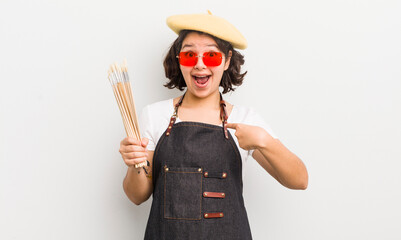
223 115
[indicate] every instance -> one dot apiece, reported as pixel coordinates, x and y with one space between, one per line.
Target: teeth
201 77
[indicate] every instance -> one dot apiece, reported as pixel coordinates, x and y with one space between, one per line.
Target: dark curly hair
232 76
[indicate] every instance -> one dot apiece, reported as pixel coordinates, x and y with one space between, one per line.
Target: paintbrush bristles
119 80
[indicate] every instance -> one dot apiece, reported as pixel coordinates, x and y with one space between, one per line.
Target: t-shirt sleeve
257 120
146 127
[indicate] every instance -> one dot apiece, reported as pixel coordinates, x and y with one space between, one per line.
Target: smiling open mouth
201 80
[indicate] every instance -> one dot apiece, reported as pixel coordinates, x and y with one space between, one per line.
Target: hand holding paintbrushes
118 77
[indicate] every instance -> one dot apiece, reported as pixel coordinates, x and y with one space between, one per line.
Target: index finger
131 141
232 125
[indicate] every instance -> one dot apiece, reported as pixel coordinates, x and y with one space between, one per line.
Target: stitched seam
197 125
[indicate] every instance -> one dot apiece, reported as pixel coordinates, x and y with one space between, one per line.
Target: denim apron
197 184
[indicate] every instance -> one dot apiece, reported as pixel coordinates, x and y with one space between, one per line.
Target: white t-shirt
154 120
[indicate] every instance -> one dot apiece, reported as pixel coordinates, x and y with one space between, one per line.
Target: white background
326 75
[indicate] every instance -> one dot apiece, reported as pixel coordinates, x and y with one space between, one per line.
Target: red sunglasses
210 59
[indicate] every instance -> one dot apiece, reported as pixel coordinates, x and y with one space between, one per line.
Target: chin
203 93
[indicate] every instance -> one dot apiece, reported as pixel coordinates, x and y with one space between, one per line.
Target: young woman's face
202 80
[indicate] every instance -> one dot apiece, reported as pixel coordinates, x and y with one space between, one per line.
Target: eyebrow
190 45
186 45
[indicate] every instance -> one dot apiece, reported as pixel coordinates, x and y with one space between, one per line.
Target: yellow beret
210 24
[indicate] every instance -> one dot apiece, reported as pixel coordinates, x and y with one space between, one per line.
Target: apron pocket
182 193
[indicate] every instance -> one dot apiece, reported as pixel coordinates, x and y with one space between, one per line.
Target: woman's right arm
137 184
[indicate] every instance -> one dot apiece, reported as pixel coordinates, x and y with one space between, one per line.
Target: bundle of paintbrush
118 77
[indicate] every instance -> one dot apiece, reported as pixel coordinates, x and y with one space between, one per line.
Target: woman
195 162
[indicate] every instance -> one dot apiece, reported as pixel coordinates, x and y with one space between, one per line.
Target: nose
199 64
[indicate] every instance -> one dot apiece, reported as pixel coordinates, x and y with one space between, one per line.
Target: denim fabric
182 184
178 206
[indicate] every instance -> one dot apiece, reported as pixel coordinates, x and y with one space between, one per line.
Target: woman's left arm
272 155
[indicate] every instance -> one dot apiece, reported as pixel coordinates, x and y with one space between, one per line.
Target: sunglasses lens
188 59
212 59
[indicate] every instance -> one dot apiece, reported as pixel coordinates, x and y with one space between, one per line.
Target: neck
212 101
